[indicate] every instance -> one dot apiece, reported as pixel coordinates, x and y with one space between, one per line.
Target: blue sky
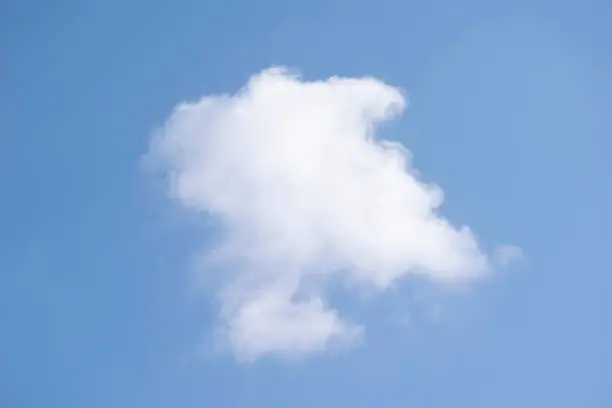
508 112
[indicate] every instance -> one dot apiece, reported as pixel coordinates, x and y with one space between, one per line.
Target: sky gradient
507 110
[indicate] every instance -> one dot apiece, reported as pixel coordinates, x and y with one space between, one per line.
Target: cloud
505 255
304 191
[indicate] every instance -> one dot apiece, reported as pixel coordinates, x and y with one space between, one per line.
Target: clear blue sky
510 112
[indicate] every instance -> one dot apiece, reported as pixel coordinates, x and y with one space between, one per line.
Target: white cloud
303 190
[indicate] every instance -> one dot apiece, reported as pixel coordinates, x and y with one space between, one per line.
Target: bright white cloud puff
304 190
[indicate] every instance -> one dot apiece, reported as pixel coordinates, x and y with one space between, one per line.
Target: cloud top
304 190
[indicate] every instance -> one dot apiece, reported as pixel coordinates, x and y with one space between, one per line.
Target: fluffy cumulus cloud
305 191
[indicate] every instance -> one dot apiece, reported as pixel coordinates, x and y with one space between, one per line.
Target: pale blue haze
510 112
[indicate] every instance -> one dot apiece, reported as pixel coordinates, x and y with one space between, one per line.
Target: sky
262 204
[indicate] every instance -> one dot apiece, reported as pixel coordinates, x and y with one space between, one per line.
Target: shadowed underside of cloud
304 190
